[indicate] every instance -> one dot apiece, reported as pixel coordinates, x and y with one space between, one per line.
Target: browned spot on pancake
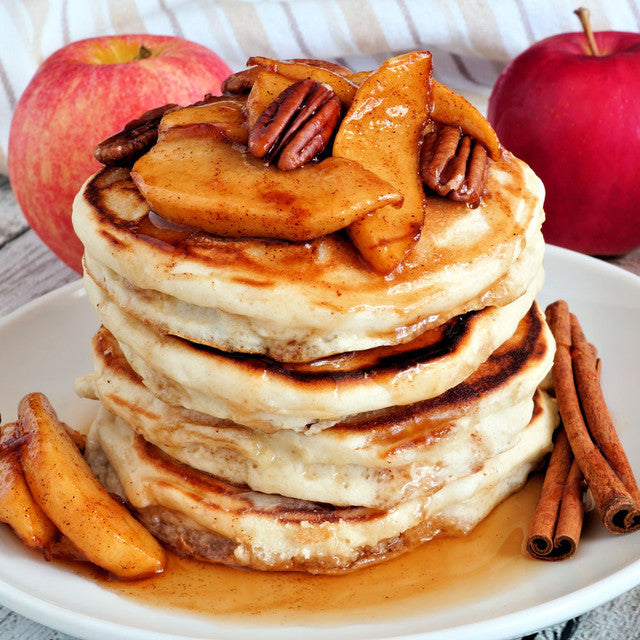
136 408
429 340
381 361
199 480
423 423
105 344
111 239
523 347
253 283
537 404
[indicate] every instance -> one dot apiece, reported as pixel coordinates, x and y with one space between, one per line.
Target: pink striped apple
82 94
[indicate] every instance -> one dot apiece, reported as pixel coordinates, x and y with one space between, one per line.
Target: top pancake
318 298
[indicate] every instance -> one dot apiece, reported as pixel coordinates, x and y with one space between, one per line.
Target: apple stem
585 19
143 53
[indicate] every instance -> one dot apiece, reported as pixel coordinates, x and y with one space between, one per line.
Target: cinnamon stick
571 512
617 506
600 423
557 522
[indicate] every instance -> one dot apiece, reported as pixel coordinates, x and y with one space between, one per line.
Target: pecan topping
240 82
136 138
296 126
209 98
454 165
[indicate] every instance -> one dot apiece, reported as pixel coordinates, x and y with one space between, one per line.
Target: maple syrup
441 574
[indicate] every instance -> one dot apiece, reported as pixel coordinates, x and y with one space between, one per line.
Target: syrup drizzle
443 574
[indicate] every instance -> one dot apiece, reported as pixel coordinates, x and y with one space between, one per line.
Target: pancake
375 459
262 393
302 301
211 327
214 520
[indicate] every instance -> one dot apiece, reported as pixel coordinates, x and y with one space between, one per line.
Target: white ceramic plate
44 347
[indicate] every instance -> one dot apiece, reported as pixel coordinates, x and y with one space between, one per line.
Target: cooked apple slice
451 108
344 88
195 176
17 506
382 131
225 112
359 77
266 88
323 64
64 486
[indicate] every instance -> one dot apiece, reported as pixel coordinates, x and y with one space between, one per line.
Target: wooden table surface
28 270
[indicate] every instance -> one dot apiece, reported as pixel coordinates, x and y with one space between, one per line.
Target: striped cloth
471 40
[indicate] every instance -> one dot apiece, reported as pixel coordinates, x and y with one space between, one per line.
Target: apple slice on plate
63 484
224 112
382 131
196 176
344 88
451 108
17 506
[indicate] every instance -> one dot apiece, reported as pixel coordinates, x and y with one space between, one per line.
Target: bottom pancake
207 518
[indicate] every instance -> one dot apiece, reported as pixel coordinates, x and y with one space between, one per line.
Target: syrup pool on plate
443 573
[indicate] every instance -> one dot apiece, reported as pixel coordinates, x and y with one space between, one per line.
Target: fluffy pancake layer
208 518
212 327
264 394
303 301
375 459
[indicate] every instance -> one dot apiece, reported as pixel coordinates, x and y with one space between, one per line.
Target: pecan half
136 138
296 126
209 98
454 165
240 82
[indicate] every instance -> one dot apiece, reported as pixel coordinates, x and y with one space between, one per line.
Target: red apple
79 96
573 115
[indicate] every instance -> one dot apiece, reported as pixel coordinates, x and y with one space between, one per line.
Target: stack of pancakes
280 406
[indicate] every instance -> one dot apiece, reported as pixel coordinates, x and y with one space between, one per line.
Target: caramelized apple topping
297 126
453 164
136 138
322 64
